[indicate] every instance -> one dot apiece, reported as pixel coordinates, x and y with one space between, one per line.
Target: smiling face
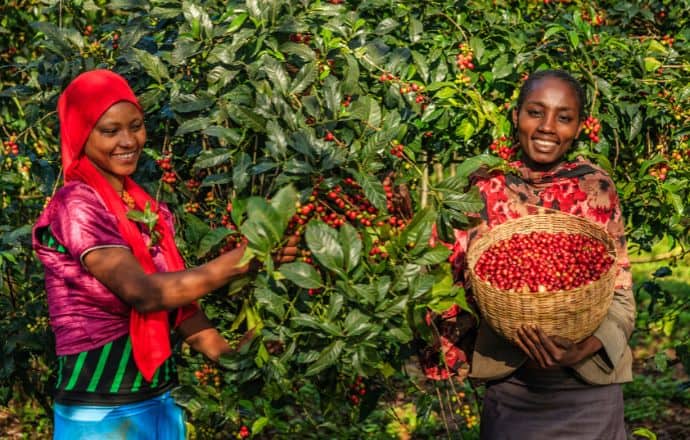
547 122
116 141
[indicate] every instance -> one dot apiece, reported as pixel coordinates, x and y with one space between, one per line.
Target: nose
127 138
548 123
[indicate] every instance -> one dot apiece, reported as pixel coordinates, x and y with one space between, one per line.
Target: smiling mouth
126 156
543 145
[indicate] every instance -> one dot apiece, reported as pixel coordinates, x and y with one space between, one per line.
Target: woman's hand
554 351
288 253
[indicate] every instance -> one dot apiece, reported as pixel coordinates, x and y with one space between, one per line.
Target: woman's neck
541 167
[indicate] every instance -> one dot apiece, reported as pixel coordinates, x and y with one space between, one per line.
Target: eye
534 113
136 126
108 131
565 119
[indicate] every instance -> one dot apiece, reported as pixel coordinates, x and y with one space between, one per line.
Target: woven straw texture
572 314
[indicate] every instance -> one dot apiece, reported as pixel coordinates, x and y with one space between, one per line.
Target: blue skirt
159 418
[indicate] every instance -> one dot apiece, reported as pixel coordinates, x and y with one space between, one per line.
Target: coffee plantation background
323 108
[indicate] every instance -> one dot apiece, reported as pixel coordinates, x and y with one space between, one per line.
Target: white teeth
543 143
125 155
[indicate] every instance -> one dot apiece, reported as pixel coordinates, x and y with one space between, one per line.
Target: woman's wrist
589 347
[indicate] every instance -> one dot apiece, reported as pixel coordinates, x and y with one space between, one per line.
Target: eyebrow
562 108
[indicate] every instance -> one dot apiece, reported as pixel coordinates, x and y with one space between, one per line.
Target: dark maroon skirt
551 405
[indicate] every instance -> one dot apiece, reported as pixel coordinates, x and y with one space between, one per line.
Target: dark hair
564 76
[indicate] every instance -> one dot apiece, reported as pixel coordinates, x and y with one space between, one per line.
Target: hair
562 75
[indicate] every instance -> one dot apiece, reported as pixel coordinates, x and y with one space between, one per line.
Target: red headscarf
80 107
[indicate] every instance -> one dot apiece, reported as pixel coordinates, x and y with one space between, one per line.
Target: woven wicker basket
572 314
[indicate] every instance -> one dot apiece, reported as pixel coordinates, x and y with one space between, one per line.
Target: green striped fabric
108 375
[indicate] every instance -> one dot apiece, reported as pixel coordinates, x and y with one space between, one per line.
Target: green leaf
152 64
635 126
303 51
332 95
645 433
356 323
271 301
416 28
421 64
302 274
229 135
192 125
194 229
213 238
304 78
285 203
464 202
185 48
651 64
502 67
434 256
373 190
212 158
193 14
185 103
552 30
661 361
477 46
276 74
259 425
236 23
419 228
465 130
240 172
322 241
367 110
385 26
327 358
352 246
421 285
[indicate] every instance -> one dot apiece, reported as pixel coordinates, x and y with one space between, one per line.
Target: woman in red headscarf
114 292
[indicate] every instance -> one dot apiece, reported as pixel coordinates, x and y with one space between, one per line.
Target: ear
515 117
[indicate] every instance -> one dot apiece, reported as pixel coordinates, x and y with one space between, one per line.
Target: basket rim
486 236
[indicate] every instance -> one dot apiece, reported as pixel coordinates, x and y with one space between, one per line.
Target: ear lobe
515 117
579 129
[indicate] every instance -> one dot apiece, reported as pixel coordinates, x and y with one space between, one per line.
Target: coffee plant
270 118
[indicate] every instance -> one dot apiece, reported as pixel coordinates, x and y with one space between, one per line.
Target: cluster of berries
192 207
357 391
336 206
543 261
668 40
243 432
11 146
407 88
300 38
592 128
464 58
208 375
397 149
165 164
659 171
192 184
502 147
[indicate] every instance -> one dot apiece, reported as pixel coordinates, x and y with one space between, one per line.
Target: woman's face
548 122
116 141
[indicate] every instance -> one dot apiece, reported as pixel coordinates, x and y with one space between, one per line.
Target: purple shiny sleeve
80 221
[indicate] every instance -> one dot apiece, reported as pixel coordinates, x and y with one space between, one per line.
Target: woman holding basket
543 386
